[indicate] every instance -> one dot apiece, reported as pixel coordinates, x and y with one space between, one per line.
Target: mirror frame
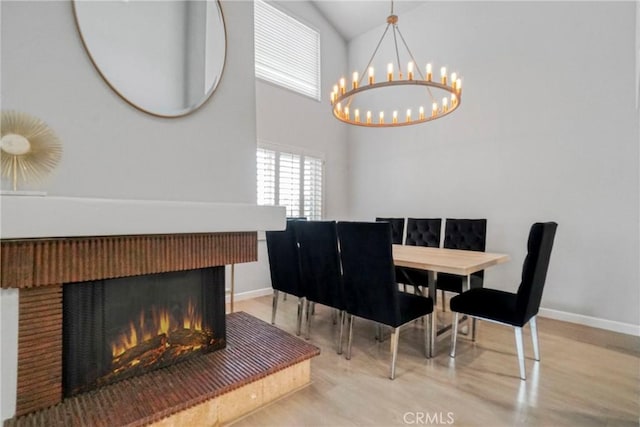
205 97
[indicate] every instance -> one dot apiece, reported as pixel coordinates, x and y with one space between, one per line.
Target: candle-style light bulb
421 113
429 73
381 119
459 85
410 70
355 80
434 109
339 107
357 115
408 115
368 117
346 113
454 78
390 72
343 89
371 80
445 104
443 75
454 99
395 116
333 97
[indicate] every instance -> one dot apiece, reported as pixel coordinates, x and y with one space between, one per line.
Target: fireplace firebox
118 328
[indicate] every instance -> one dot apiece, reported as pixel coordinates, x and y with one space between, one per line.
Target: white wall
113 150
110 148
547 130
288 118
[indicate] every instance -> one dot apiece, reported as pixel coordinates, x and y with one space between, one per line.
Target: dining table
441 260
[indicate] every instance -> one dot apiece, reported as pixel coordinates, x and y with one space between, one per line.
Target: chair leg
433 331
274 306
520 348
473 329
350 317
308 310
341 317
395 336
427 337
534 338
454 334
444 307
301 301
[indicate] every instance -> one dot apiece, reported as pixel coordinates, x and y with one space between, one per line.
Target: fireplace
42 268
115 329
47 243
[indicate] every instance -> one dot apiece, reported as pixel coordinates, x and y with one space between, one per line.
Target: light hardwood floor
586 377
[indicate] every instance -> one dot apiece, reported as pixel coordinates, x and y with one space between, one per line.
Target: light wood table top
439 260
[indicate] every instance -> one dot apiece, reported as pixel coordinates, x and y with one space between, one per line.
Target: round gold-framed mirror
165 58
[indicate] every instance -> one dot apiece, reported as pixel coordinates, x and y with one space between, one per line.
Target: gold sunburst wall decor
29 149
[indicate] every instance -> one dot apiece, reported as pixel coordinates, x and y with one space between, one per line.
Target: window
291 180
287 51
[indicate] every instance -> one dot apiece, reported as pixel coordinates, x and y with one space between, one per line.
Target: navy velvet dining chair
370 285
514 309
320 269
420 232
397 228
284 266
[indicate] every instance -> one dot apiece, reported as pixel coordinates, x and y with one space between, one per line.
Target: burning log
158 351
159 342
189 338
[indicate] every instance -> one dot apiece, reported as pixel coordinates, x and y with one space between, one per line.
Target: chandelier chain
373 56
406 46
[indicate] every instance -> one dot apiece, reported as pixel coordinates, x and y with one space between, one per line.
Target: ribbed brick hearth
254 350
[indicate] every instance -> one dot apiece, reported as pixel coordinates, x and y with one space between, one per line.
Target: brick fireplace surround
39 267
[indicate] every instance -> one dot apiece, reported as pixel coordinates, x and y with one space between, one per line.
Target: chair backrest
284 263
423 232
368 271
397 229
534 268
467 234
320 262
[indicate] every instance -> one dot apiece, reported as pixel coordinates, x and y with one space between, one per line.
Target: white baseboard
250 294
595 322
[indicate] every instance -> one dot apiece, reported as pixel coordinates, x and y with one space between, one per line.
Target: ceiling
354 17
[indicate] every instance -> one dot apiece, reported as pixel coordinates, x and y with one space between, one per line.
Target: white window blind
287 52
290 180
266 160
312 190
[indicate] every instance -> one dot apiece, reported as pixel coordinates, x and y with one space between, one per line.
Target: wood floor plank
586 377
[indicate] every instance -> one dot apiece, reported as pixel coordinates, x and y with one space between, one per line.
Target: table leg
466 282
433 294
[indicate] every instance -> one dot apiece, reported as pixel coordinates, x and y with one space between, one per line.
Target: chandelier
348 105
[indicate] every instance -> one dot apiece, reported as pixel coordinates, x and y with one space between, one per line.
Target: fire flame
162 322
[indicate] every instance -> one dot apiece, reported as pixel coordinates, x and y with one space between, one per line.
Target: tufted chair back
466 234
397 228
423 232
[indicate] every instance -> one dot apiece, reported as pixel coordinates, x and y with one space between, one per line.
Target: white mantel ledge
24 217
